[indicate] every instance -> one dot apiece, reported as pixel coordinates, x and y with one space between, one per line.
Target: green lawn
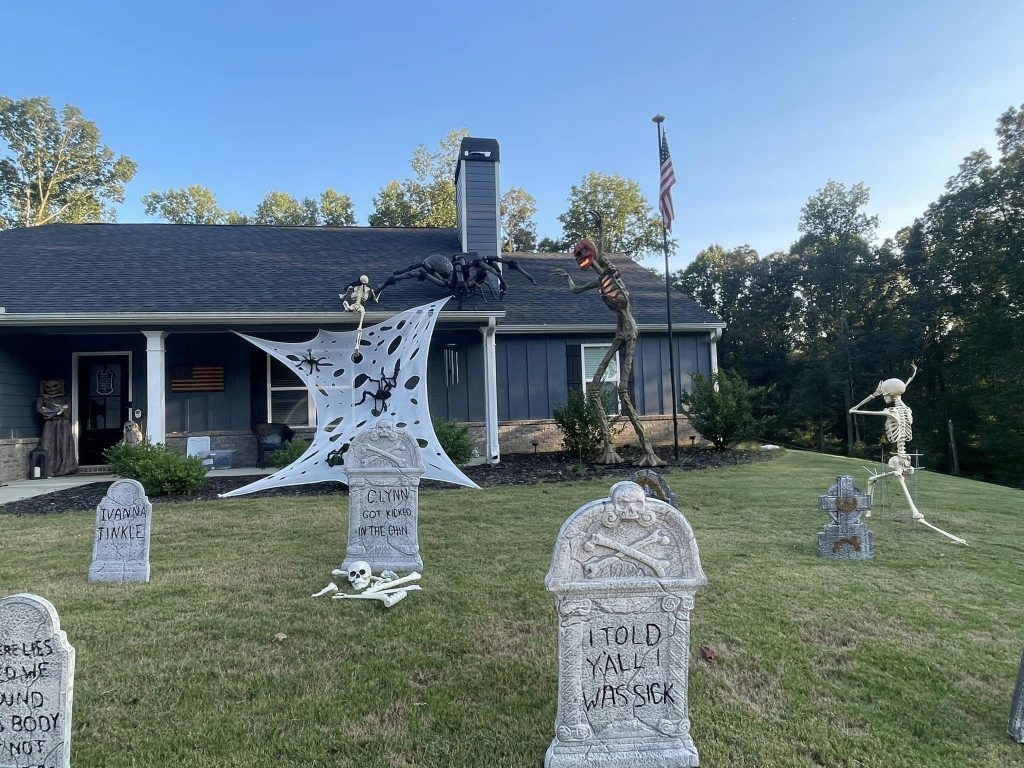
907 660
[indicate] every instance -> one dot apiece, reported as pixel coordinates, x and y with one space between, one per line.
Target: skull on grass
359 575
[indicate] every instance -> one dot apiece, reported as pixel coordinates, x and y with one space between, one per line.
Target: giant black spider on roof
461 274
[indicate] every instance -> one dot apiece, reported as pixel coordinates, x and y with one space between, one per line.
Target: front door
102 405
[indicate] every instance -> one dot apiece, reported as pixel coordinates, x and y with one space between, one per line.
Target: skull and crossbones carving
899 430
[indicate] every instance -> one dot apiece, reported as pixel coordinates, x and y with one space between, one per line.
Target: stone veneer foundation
14 458
520 436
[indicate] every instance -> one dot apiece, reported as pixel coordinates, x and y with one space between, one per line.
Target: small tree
580 424
722 408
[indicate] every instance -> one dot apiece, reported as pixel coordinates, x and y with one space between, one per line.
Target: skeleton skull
364 280
585 253
890 389
359 575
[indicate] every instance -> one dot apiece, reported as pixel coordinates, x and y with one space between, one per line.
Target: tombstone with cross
845 536
1016 728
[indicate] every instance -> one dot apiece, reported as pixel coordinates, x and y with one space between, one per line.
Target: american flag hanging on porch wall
197 378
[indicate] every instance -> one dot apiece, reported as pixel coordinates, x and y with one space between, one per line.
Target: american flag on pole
668 178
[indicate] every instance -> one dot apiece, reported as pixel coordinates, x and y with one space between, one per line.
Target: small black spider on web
312 361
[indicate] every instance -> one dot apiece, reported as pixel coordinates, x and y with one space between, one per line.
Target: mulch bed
517 469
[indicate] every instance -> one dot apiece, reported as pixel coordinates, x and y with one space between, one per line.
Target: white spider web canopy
393 367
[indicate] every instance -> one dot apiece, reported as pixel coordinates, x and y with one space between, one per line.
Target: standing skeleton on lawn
352 300
899 421
609 280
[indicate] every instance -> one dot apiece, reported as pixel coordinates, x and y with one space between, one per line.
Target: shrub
454 439
580 424
722 408
287 453
160 469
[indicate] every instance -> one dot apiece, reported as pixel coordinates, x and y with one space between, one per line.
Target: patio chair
269 438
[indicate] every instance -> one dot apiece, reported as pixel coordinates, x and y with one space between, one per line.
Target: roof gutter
714 328
224 318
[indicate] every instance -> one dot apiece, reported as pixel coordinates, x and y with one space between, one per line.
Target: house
140 318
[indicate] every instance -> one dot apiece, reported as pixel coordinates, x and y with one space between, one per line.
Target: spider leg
486 264
514 265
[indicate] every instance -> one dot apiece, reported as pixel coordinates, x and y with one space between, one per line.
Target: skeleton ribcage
899 424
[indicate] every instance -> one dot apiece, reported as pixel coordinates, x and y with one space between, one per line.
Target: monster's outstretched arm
572 286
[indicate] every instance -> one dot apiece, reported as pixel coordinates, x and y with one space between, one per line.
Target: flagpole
658 120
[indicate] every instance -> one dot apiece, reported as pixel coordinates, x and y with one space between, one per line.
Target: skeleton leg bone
332 587
388 597
414 576
920 518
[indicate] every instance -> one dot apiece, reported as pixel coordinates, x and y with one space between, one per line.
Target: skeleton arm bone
572 285
856 410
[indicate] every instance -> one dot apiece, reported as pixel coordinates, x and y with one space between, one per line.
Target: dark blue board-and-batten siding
535 373
19 385
27 358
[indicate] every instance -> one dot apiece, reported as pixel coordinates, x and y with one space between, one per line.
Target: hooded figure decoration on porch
615 296
58 442
352 299
899 421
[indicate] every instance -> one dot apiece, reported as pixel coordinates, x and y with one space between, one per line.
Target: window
288 400
592 354
451 364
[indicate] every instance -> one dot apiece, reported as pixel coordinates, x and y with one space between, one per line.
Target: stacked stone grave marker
624 573
37 672
384 468
845 536
1016 729
120 550
654 485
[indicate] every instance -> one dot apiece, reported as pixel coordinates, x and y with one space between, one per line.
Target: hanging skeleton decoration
613 292
352 299
899 421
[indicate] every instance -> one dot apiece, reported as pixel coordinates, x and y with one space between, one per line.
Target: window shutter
573 367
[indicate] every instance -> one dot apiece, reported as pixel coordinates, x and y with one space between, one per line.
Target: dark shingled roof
69 268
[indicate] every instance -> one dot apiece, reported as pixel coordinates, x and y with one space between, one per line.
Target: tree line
54 168
819 325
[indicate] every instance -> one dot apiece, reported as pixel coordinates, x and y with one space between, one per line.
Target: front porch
181 382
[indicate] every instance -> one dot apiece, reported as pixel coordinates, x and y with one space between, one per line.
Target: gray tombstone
120 550
845 536
37 674
1016 729
654 485
384 468
624 573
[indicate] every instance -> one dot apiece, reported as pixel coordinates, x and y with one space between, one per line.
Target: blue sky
765 101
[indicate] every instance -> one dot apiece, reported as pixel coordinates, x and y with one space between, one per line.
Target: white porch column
156 429
491 394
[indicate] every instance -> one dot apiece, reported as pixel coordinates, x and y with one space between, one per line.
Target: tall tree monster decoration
616 298
899 422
